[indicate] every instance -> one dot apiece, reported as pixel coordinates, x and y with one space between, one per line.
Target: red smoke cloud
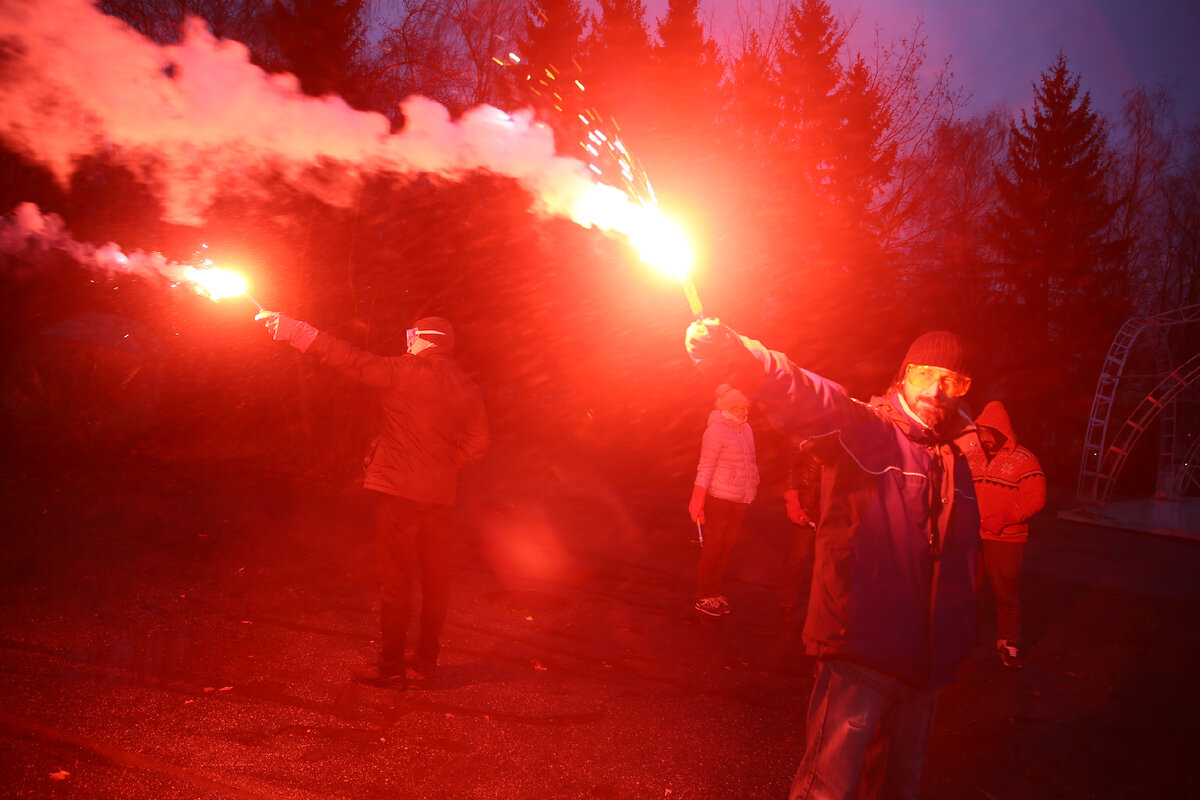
197 118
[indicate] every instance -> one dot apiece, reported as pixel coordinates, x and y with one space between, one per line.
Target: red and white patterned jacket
1011 487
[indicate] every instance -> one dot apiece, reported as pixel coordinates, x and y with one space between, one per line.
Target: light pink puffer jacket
728 468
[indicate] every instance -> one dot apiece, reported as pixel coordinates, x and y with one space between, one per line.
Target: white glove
285 329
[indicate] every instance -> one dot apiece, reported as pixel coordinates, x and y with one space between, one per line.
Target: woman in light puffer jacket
726 482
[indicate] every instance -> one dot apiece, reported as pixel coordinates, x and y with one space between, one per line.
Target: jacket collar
899 412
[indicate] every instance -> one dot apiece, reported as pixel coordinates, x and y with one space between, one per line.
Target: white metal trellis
1104 456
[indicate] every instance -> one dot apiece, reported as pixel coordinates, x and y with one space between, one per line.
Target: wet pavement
188 631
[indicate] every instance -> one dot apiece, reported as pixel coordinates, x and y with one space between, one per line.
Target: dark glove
721 355
285 329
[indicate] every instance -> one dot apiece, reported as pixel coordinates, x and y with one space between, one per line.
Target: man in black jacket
433 425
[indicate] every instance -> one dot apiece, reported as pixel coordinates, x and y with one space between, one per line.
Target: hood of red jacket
995 416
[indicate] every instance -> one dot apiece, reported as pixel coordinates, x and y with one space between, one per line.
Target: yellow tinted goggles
951 383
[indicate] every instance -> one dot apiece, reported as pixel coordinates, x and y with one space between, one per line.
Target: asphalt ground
188 631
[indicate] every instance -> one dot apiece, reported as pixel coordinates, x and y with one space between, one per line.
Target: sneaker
380 676
1010 656
419 671
725 609
711 606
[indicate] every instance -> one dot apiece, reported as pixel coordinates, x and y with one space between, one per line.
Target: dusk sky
999 48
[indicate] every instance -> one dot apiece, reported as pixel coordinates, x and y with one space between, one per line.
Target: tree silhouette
617 63
552 35
322 43
1051 228
689 73
162 20
831 165
549 68
1064 282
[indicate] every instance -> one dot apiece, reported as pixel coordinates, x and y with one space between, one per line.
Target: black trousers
413 539
722 525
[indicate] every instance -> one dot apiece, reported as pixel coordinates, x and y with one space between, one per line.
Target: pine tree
748 126
1051 229
689 73
944 248
1060 264
832 164
545 79
861 163
321 42
810 74
751 112
551 39
679 146
617 67
745 210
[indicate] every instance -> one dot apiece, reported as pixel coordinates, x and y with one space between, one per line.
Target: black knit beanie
937 349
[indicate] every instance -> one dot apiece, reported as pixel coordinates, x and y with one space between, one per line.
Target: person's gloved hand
719 353
286 329
696 504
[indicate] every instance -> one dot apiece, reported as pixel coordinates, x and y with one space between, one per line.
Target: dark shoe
420 672
380 676
1010 656
710 606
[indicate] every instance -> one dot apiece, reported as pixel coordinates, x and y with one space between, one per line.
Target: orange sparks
633 211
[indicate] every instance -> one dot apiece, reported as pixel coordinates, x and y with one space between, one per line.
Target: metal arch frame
1161 397
1187 472
1100 464
1091 475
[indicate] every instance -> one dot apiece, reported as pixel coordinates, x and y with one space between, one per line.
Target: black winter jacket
433 425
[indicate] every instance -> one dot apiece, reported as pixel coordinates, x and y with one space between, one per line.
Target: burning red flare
216 282
659 241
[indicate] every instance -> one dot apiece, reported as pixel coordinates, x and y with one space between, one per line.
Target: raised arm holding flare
892 612
433 425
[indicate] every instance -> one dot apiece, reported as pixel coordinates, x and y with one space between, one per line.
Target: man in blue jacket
433 425
892 611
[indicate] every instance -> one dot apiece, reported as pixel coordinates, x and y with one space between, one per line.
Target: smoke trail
31 235
197 118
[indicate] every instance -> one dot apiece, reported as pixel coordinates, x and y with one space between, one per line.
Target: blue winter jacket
893 589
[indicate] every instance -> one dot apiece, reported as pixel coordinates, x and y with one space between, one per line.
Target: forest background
840 202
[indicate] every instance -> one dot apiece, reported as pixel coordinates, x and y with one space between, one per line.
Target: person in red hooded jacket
1010 487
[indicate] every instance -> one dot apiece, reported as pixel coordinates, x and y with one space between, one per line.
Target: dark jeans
412 536
866 736
1001 563
722 524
